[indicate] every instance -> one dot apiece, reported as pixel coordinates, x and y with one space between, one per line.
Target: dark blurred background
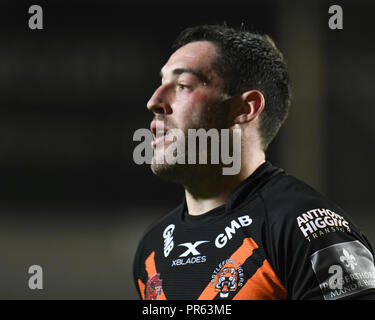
73 201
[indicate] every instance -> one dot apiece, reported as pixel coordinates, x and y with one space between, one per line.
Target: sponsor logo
168 239
348 259
318 222
153 287
187 261
227 277
191 250
229 231
343 269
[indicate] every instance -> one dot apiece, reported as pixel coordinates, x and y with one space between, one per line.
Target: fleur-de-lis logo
348 259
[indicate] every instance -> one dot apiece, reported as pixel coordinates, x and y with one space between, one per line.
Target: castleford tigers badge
227 277
153 287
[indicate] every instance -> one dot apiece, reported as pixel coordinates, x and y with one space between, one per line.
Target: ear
252 104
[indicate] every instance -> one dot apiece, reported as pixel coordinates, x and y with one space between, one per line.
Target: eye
182 86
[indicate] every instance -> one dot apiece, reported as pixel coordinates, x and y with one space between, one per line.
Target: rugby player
258 234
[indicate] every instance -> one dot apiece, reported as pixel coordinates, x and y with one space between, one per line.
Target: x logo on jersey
191 248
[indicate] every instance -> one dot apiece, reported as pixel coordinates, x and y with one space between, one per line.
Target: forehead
197 56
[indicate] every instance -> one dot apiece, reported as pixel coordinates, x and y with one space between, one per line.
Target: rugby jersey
274 238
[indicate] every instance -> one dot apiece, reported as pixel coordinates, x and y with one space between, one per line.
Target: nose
158 103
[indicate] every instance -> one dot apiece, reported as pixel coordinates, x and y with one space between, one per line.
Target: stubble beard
192 175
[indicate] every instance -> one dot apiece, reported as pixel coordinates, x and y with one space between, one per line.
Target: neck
213 191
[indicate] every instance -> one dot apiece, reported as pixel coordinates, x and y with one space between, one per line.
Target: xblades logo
191 248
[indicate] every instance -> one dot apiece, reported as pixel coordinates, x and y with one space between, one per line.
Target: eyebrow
179 71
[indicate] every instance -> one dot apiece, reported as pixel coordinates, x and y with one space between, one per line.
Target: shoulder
295 210
158 232
308 234
287 198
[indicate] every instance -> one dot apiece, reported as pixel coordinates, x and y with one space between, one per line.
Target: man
258 234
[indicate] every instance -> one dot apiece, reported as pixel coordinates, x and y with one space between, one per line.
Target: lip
157 141
158 138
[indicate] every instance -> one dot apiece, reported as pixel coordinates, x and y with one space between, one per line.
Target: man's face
190 97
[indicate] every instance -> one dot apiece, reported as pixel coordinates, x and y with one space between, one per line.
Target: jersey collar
245 190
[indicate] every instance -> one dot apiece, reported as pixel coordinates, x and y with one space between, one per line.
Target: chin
169 172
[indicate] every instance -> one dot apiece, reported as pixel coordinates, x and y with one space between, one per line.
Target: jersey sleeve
143 266
319 253
138 273
145 273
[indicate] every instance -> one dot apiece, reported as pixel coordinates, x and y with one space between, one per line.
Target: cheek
201 99
199 95
196 109
190 110
199 102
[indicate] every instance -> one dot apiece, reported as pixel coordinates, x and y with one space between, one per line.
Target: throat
206 199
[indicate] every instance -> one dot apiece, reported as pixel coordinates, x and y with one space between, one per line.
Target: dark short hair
248 61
